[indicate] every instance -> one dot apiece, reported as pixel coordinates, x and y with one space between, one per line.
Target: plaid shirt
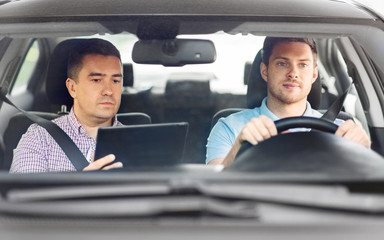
37 151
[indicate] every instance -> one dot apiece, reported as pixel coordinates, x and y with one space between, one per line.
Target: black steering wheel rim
305 122
298 122
312 152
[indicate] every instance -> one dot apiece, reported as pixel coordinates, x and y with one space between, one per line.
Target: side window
26 70
352 103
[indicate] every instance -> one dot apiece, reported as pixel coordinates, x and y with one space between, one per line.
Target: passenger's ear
264 71
70 83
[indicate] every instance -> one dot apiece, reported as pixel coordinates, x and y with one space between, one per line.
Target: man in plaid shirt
95 83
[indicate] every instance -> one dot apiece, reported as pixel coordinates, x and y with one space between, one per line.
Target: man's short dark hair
87 47
271 42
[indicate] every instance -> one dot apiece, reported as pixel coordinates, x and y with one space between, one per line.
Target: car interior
186 65
184 96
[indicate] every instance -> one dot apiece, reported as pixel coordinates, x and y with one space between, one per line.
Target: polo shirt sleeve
220 141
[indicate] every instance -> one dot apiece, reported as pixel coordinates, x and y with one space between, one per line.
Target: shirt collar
79 129
116 122
308 111
265 111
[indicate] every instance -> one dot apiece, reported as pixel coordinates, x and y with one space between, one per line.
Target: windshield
245 113
202 96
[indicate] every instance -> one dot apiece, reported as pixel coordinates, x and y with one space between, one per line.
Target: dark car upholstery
189 98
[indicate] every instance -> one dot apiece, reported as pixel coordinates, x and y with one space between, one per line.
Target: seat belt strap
65 142
336 106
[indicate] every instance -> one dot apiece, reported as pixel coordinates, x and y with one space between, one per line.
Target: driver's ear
315 74
264 71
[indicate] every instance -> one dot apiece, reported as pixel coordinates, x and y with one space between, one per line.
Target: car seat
188 97
257 91
57 94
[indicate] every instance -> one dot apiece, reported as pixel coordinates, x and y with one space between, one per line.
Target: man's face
290 72
97 91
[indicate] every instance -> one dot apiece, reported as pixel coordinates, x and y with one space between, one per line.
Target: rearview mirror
174 52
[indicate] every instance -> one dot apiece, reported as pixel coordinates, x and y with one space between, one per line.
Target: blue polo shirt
224 133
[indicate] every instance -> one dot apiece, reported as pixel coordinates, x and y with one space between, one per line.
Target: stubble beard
286 98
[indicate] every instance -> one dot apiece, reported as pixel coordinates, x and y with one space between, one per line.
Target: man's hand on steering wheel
354 132
321 151
262 128
257 130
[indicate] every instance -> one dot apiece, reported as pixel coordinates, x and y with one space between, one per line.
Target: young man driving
95 84
289 69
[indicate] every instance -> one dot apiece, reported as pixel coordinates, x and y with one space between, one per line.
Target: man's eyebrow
305 60
92 74
279 58
287 59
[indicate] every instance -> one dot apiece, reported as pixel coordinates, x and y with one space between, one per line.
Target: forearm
228 160
354 132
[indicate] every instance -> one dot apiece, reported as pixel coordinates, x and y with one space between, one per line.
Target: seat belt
65 142
336 106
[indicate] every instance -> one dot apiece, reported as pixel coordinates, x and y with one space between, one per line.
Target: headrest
57 73
189 84
257 87
127 75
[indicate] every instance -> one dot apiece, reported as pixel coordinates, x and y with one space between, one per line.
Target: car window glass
26 69
352 103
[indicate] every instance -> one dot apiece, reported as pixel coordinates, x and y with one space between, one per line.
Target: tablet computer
145 145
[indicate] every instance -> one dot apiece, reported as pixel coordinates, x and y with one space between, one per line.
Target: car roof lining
49 8
41 30
66 29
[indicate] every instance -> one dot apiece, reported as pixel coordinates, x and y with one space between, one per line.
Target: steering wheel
305 122
297 122
308 152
